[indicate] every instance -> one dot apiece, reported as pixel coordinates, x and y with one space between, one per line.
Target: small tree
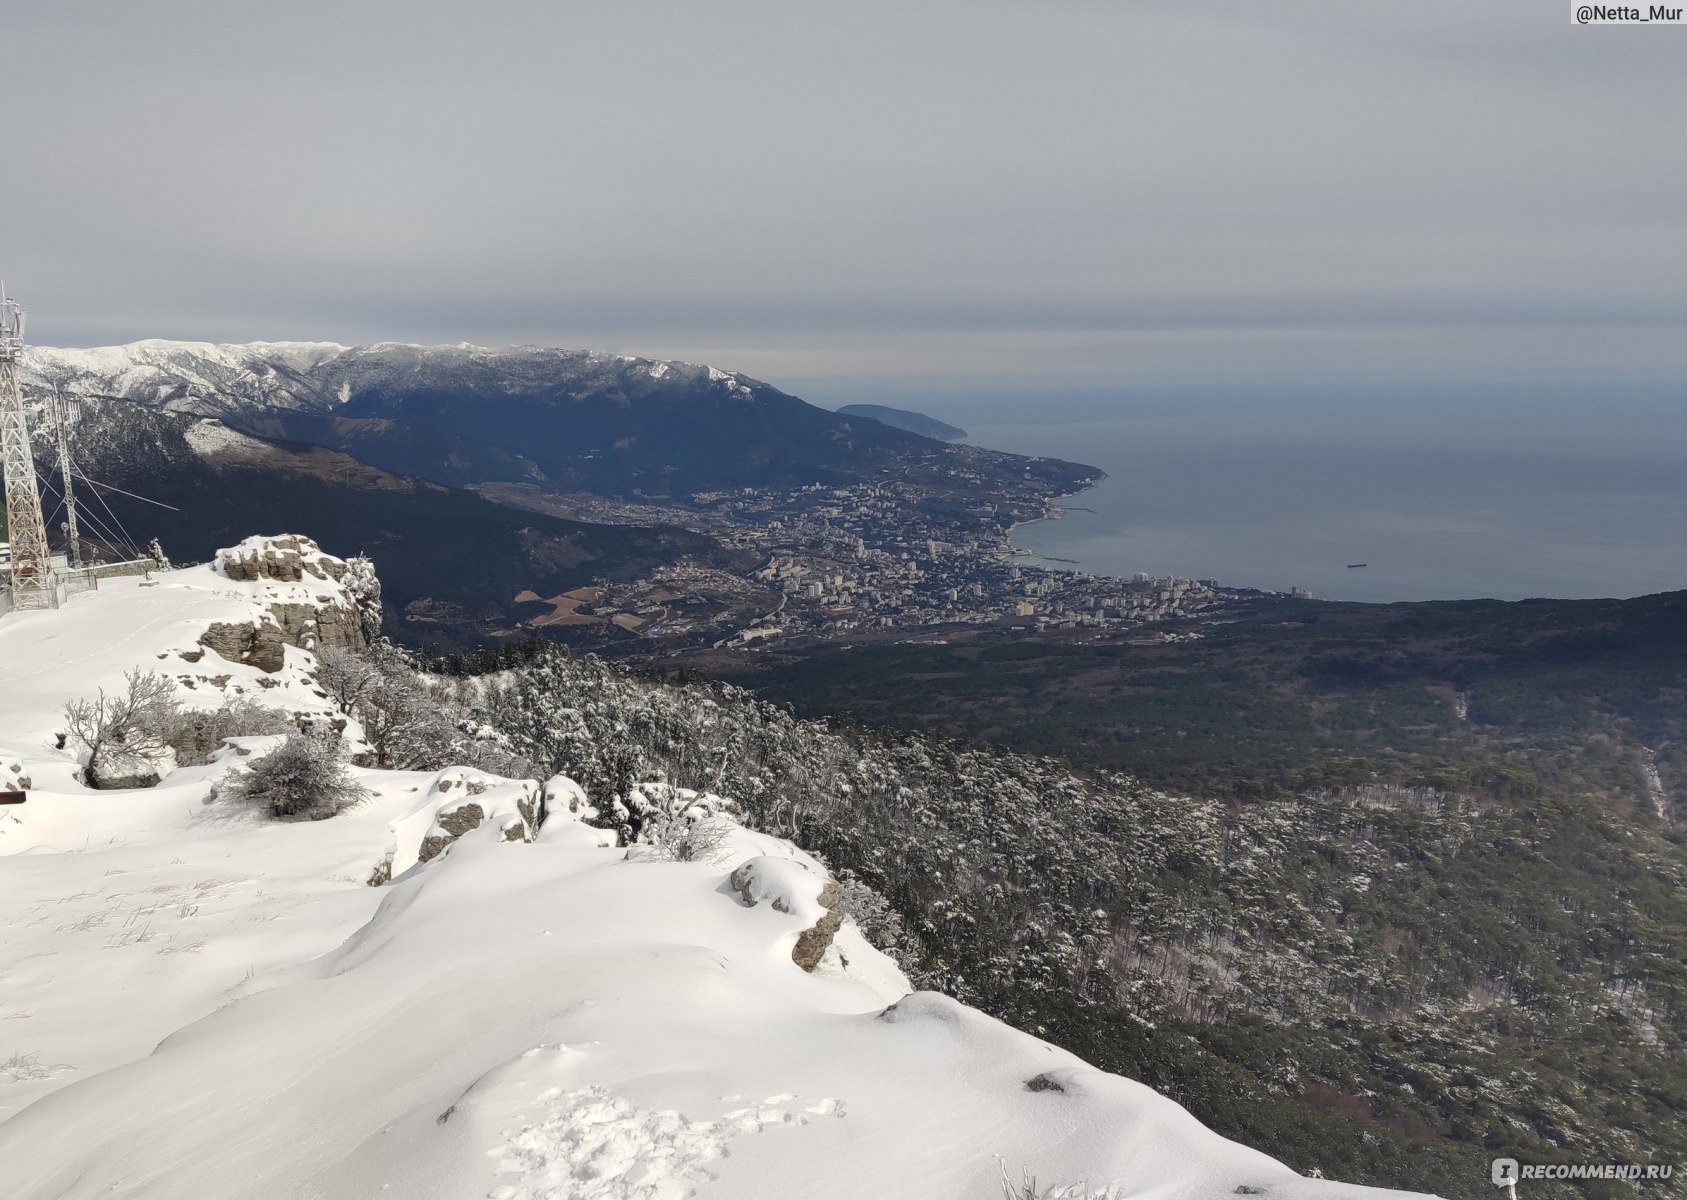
345 676
135 727
302 777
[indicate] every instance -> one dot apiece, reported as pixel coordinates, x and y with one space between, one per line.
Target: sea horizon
1442 492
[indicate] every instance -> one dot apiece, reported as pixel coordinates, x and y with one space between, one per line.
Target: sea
1364 492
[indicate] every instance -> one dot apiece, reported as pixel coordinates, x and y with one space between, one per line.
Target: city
834 563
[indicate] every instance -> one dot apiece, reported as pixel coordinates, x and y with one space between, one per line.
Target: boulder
120 771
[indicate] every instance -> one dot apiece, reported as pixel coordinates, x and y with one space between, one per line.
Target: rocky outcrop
318 608
324 623
259 645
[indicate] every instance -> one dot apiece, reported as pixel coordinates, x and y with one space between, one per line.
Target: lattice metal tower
33 582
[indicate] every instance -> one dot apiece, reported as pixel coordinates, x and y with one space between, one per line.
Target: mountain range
564 419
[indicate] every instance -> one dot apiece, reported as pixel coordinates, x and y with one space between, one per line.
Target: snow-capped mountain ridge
211 378
571 420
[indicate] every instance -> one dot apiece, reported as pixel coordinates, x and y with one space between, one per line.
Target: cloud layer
1063 190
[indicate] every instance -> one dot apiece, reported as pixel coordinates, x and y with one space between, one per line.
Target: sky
1002 193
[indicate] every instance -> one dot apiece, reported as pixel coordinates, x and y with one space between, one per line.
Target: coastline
1052 511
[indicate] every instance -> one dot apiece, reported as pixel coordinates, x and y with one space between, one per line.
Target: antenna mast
65 412
34 584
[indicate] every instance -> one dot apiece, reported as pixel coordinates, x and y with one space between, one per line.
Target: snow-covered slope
201 1002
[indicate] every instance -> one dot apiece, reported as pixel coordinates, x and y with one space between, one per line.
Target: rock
1043 1083
125 772
451 824
261 645
12 778
813 942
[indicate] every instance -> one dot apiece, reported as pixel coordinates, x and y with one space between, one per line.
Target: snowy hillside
443 992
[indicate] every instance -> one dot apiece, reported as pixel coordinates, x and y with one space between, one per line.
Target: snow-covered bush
302 777
123 737
878 922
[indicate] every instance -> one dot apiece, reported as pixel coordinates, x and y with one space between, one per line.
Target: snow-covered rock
469 799
792 887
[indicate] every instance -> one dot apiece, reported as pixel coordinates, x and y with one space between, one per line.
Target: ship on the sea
1356 566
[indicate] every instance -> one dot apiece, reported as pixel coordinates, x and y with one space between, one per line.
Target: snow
213 439
789 886
199 1001
50 657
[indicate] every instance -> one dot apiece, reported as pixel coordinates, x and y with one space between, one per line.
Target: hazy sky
1057 191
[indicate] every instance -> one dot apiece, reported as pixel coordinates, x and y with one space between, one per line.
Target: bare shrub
129 730
687 837
1027 1188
